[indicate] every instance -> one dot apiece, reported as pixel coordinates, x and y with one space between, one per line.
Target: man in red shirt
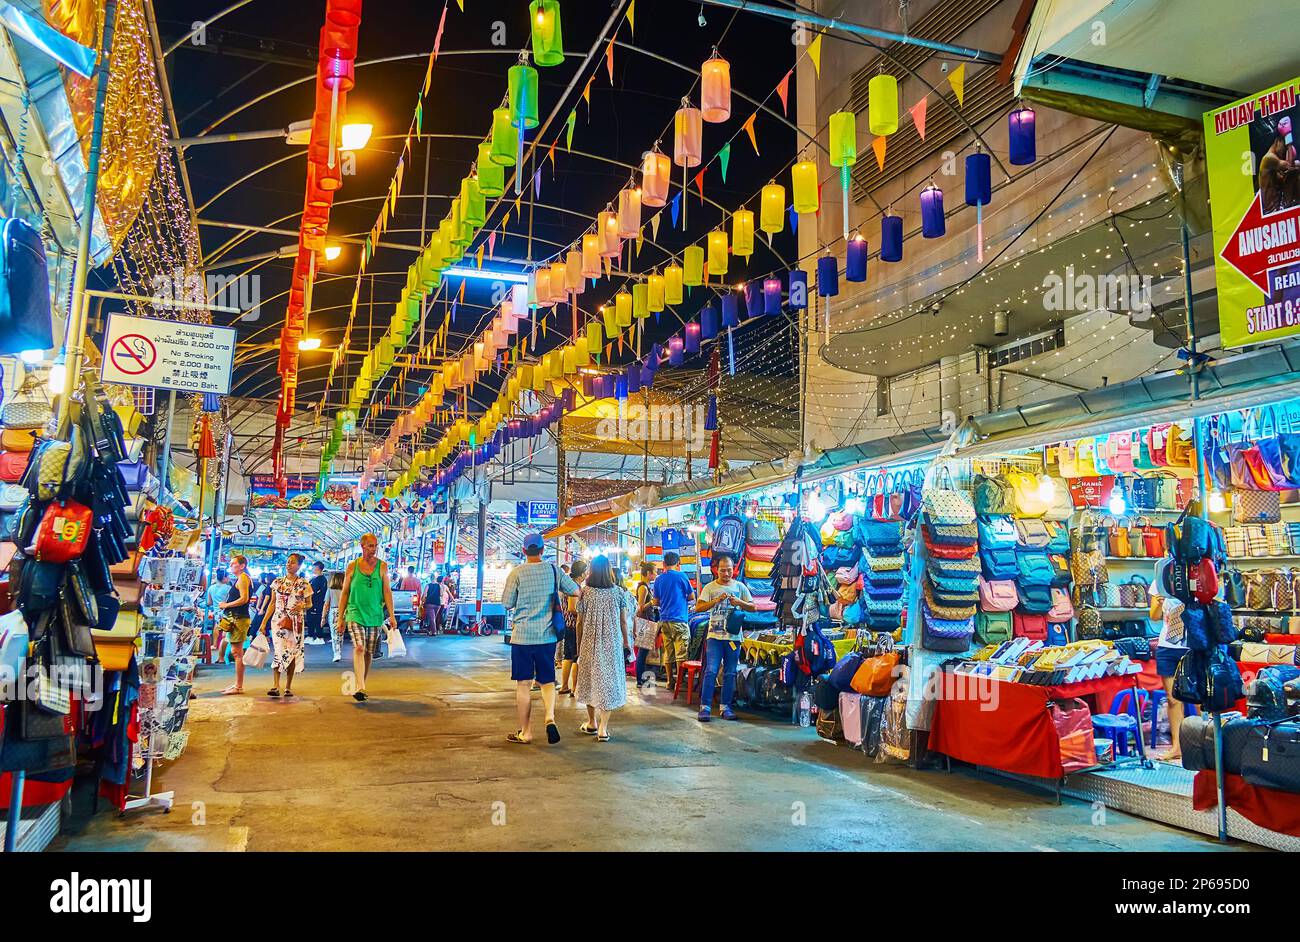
410 582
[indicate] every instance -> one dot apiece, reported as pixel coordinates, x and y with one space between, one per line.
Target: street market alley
424 765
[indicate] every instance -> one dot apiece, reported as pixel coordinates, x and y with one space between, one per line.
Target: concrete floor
424 765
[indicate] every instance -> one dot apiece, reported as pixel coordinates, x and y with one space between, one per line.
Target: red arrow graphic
1262 243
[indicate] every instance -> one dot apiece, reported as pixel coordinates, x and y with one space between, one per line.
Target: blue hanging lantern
587 386
772 296
1021 137
656 354
754 299
676 346
568 399
708 322
620 388
855 260
891 238
730 314
692 332
933 224
711 417
647 377
828 276
633 379
798 294
211 402
979 191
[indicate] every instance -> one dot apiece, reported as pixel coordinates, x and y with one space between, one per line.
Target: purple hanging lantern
587 386
568 399
1021 137
828 276
730 312
675 347
798 290
656 354
633 378
979 191
620 388
753 299
647 377
692 332
772 297
891 238
855 260
933 224
708 322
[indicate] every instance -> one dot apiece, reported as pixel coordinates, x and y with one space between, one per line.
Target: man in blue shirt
529 593
674 592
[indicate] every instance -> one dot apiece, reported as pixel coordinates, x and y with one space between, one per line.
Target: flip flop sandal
518 740
288 694
587 730
232 689
552 733
360 696
604 738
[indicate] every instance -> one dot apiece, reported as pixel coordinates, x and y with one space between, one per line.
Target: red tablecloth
1269 808
1007 726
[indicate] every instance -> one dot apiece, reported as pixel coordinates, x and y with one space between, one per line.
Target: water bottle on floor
805 709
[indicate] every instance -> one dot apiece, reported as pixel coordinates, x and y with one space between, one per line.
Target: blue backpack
813 653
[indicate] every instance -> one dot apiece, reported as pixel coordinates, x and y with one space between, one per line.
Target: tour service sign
1254 175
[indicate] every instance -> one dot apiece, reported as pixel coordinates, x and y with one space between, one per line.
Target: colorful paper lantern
754 299
591 266
1021 136
491 175
676 350
803 179
674 278
633 377
798 291
505 138
607 229
708 322
548 41
611 325
979 192
655 293
772 209
559 281
715 90
717 252
574 280
640 300
693 266
691 339
595 340
742 233
656 171
623 309
772 296
882 105
730 311
473 205
855 263
891 238
688 135
933 224
844 139
522 81
828 276
629 212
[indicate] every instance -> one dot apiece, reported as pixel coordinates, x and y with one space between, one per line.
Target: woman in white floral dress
604 646
290 600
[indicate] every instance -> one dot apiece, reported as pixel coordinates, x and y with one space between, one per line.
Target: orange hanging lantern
591 267
629 212
715 89
607 229
656 169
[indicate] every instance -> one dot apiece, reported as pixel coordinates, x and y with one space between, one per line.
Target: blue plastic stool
1121 728
1123 703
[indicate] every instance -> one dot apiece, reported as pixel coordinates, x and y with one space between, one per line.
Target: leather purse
63 531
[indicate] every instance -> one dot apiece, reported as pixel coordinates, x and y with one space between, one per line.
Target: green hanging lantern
548 43
427 269
523 96
491 175
505 138
472 203
447 243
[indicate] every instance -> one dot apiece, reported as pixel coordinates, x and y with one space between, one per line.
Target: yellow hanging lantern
717 252
611 327
803 177
541 285
570 360
693 266
640 300
715 90
629 212
772 209
656 171
655 293
582 352
844 139
623 309
538 378
882 105
607 229
742 233
591 267
559 277
674 277
595 340
574 282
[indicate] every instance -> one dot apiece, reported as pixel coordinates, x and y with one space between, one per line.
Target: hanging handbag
1179 452
63 531
1234 538
998 595
1118 544
1120 451
1065 460
946 504
1028 494
1137 548
1256 506
1088 624
1157 436
1166 492
1142 492
993 495
20 440
1135 593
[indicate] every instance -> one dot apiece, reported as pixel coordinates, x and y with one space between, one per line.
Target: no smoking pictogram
134 354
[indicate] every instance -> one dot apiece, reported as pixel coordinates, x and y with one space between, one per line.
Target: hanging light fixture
693 266
803 178
933 224
656 169
1021 136
548 42
844 154
708 322
629 212
891 237
798 292
855 259
979 191
505 138
715 89
655 293
772 296
688 142
591 267
674 278
772 209
607 229
491 175
717 252
882 105
742 233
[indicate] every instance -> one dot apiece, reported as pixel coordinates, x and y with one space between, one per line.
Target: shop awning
592 514
1255 377
581 522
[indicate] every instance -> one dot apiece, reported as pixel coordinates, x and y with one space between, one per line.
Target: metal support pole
166 457
74 338
482 550
14 821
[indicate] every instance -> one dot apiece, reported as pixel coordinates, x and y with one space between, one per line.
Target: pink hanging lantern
715 89
629 212
607 229
656 170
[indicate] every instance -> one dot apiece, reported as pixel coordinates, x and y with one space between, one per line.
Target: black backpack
25 319
729 537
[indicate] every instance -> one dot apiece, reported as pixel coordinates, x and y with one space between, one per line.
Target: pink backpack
1062 607
998 595
1120 451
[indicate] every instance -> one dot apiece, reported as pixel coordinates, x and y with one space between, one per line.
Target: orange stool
691 669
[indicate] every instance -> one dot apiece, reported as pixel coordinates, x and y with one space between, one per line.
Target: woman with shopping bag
290 600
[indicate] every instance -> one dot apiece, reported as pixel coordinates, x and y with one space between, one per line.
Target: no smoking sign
134 354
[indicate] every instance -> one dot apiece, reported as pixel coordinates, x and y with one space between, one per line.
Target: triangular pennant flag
586 96
428 72
640 237
419 117
452 316
917 112
568 132
631 16
878 145
654 226
506 221
537 184
517 199
609 61
783 89
437 39
957 79
749 129
676 207
608 265
460 295
492 244
461 4
480 257
550 155
794 220
724 158
815 54
699 183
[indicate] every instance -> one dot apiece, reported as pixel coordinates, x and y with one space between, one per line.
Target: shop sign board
147 351
1254 177
537 512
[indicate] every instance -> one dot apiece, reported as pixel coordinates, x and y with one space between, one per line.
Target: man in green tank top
366 607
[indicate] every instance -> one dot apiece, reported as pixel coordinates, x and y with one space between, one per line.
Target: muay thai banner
1254 176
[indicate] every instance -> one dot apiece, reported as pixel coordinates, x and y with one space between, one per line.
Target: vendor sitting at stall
722 649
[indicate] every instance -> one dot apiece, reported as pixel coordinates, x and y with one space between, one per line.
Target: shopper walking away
292 600
569 657
722 648
674 593
319 596
432 604
410 582
605 612
1170 648
235 620
217 592
332 616
260 607
366 607
530 593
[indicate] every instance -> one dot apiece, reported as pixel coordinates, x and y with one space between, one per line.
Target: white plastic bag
255 654
396 646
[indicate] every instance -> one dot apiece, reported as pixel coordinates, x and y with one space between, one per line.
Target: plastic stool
1123 703
691 670
1122 729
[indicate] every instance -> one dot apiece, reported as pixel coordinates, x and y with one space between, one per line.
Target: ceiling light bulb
356 136
332 252
32 356
309 343
58 376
